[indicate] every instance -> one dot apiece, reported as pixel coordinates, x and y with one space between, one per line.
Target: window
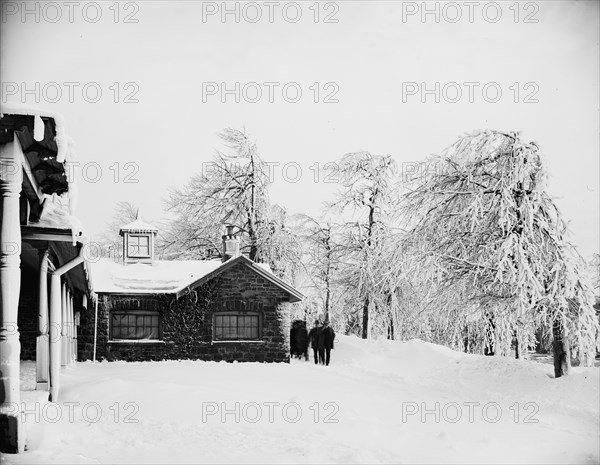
138 245
135 325
236 326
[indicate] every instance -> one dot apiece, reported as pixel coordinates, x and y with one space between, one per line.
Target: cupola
138 241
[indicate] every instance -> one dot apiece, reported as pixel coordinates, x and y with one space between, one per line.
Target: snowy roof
262 269
63 141
56 214
159 277
65 148
138 225
59 191
170 277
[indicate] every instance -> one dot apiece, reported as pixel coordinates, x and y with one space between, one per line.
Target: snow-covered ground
379 401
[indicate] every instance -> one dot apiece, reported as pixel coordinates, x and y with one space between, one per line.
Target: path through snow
394 402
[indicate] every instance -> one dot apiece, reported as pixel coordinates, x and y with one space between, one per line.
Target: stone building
229 309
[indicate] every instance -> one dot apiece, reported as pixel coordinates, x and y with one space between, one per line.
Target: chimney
231 244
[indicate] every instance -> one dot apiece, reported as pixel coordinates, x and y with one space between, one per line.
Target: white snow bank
376 403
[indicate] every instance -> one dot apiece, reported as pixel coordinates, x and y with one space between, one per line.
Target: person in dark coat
321 345
299 340
313 337
328 336
293 342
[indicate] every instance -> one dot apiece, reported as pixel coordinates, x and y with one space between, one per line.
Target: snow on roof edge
62 139
65 144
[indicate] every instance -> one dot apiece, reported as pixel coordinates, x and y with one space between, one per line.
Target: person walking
302 340
293 342
313 336
321 345
299 340
328 337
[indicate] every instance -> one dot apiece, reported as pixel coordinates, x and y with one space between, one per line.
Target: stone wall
187 322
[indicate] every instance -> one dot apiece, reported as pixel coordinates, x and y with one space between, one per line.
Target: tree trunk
490 336
328 289
391 328
365 322
365 325
252 237
327 300
560 346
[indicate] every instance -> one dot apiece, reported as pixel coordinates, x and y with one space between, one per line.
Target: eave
294 294
60 242
36 233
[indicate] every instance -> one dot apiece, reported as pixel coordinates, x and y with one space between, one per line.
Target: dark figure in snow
326 339
313 337
299 340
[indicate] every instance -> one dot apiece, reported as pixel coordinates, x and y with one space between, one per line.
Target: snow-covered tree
492 244
322 253
278 244
110 243
367 193
232 189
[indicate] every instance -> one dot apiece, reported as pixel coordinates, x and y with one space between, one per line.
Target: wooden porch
43 279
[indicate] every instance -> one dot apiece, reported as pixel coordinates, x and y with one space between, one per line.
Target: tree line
473 254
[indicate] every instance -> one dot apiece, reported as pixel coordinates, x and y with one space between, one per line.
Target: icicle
73 188
39 129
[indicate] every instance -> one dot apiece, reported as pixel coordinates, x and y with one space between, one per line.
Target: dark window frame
137 313
237 315
139 254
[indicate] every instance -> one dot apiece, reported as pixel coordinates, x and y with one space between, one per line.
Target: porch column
11 433
75 322
64 327
55 335
56 320
71 327
42 356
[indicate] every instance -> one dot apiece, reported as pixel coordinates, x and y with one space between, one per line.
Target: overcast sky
369 60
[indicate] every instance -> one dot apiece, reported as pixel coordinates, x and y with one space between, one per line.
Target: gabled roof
261 269
172 277
138 226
